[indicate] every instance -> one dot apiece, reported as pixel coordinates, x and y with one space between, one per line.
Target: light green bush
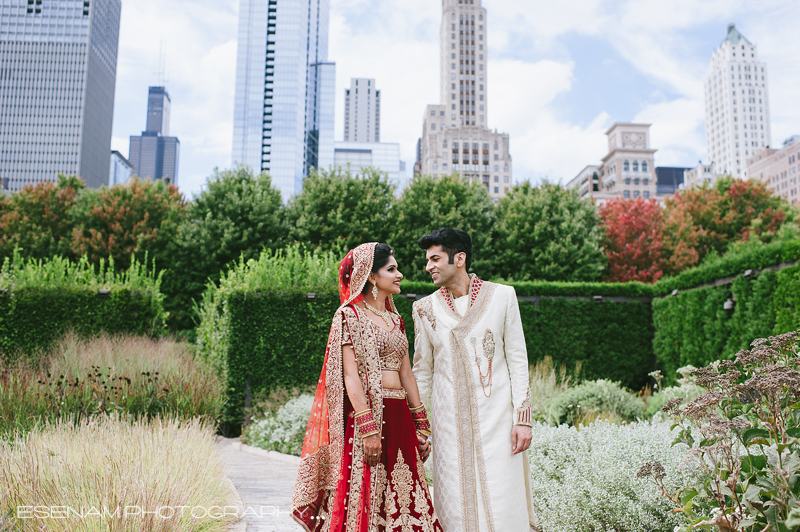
283 431
584 480
686 390
595 399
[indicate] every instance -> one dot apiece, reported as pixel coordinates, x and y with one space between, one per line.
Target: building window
645 181
497 168
627 180
433 127
635 165
505 168
496 179
644 168
636 181
646 195
505 179
626 194
626 166
444 144
635 193
444 166
496 190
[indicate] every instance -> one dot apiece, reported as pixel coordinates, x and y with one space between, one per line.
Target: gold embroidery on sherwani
425 308
470 449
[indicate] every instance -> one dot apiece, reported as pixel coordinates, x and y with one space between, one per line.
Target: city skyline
572 72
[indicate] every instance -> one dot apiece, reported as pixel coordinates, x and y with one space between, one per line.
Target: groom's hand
424 447
521 437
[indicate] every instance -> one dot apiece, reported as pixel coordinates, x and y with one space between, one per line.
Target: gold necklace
383 314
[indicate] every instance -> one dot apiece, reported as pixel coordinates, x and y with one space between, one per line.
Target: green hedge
41 300
693 327
262 333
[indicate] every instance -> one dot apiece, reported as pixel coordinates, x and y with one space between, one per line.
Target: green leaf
755 435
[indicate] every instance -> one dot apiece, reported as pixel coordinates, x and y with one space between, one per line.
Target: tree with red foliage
633 240
700 220
132 219
37 218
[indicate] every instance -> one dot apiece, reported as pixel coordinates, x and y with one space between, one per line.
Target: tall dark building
58 68
154 153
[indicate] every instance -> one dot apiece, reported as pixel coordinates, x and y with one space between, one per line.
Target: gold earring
375 290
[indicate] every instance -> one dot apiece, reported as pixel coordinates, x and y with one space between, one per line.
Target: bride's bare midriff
390 379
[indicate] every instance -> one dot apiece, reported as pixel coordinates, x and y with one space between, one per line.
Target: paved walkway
265 485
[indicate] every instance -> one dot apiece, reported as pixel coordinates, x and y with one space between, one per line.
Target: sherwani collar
446 297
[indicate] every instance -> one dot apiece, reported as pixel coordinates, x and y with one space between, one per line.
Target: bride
361 467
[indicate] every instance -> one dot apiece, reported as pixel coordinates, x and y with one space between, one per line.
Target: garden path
265 482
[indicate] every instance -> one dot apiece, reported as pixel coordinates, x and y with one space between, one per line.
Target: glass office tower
154 153
58 64
284 99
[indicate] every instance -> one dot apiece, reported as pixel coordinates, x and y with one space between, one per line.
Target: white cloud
676 131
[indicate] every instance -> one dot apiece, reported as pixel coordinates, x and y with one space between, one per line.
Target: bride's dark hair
381 256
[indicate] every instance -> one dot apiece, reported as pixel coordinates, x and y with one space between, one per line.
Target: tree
633 240
236 215
37 218
339 210
700 220
428 204
548 233
138 218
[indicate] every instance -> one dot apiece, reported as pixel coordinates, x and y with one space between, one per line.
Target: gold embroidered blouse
392 345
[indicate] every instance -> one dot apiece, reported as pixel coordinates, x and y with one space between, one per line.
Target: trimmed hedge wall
693 327
279 340
32 320
42 300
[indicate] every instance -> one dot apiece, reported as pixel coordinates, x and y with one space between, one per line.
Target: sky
559 74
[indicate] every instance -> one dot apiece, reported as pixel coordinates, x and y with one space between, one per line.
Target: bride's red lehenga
336 491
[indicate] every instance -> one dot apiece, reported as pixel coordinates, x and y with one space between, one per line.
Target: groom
471 367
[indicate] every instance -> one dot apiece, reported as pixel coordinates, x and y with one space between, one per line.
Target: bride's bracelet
420 417
365 424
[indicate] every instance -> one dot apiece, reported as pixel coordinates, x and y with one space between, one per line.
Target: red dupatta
321 459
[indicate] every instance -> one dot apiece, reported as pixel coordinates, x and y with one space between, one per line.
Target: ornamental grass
115 475
80 380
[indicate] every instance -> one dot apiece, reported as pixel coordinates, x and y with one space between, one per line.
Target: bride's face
388 277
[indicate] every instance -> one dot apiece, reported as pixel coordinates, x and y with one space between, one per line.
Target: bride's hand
372 449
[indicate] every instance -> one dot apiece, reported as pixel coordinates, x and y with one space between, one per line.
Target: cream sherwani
471 367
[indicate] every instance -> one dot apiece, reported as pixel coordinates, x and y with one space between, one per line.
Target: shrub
584 480
283 431
596 398
686 390
101 469
41 300
748 453
82 380
633 240
547 382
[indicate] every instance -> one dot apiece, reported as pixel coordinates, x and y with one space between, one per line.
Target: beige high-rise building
737 105
455 133
627 171
362 111
779 169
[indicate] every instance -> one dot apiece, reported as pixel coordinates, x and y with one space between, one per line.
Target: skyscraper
737 105
154 153
284 99
58 63
455 134
362 111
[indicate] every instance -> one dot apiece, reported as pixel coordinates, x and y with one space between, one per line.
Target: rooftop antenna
161 72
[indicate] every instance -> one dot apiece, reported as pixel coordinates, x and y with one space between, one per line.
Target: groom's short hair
452 241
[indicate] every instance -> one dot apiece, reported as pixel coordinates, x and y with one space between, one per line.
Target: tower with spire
737 104
456 137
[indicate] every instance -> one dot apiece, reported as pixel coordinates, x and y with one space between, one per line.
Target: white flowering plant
283 430
745 437
584 478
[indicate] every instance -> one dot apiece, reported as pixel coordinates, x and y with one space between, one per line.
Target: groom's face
442 272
